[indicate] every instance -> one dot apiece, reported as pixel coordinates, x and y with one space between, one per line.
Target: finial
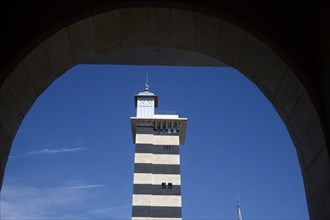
239 214
147 86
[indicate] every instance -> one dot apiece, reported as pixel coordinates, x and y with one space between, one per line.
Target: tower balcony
162 125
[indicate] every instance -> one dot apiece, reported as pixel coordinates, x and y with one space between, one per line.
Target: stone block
283 104
251 68
107 31
5 148
183 28
263 64
265 91
274 70
207 34
317 174
302 117
25 98
2 172
306 186
231 43
320 206
16 79
39 69
255 47
310 209
312 143
318 179
293 136
326 200
292 86
9 113
15 127
288 95
3 160
82 40
158 27
307 155
23 95
4 140
132 27
59 50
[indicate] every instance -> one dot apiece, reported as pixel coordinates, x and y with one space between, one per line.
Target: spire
147 86
239 214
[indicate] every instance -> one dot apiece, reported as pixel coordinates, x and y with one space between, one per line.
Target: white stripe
144 139
151 218
166 140
157 158
142 178
157 200
175 179
157 179
166 159
143 158
157 139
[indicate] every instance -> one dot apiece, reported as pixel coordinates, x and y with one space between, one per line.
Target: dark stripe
156 168
166 149
143 148
142 168
152 130
156 211
142 189
165 169
149 189
144 130
157 149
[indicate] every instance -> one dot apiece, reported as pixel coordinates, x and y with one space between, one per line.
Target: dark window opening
170 185
163 185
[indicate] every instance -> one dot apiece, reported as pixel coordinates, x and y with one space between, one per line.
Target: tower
239 214
157 180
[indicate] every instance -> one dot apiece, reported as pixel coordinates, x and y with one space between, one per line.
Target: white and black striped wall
157 181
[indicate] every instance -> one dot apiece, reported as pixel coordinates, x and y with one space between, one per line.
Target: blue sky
73 155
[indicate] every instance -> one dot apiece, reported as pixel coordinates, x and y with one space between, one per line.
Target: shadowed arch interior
163 36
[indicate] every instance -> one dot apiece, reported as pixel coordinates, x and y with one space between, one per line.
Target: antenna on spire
146 85
239 214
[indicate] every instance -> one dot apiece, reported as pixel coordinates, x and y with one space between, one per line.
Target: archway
160 28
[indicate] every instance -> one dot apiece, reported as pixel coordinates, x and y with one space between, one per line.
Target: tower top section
146 94
168 124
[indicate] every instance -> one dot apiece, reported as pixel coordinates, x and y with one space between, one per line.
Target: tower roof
146 93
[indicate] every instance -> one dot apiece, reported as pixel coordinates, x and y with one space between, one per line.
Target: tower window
170 185
163 185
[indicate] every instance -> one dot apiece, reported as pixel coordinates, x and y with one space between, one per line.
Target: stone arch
160 29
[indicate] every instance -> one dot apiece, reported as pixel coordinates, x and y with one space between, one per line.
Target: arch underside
167 36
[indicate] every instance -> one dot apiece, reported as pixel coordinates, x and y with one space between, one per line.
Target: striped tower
157 181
